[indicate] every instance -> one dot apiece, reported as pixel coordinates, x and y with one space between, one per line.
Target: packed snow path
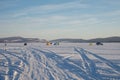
36 63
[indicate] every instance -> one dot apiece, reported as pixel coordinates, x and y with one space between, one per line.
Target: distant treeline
108 39
20 40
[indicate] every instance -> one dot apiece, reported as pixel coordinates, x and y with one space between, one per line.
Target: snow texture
67 61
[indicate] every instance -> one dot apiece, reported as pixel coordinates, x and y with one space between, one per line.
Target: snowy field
67 61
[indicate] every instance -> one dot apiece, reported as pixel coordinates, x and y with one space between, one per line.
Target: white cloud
45 9
51 22
23 18
112 2
7 4
112 13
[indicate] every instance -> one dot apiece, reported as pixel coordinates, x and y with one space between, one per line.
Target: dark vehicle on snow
99 43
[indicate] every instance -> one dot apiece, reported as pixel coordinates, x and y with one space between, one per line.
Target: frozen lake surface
67 61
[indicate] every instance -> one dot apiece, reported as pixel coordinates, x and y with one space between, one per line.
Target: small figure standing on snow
5 42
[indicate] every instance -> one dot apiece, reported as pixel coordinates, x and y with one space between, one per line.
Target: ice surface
67 61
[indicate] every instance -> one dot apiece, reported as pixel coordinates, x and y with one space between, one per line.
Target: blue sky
52 19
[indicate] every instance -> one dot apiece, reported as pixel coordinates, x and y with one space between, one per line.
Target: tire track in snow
33 63
13 69
87 60
51 71
62 67
39 66
115 69
109 63
88 65
9 69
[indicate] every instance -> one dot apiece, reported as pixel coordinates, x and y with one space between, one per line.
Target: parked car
99 43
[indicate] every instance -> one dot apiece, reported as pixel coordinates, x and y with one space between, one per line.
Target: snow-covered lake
67 61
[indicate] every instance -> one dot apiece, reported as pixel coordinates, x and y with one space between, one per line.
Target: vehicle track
35 63
90 67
